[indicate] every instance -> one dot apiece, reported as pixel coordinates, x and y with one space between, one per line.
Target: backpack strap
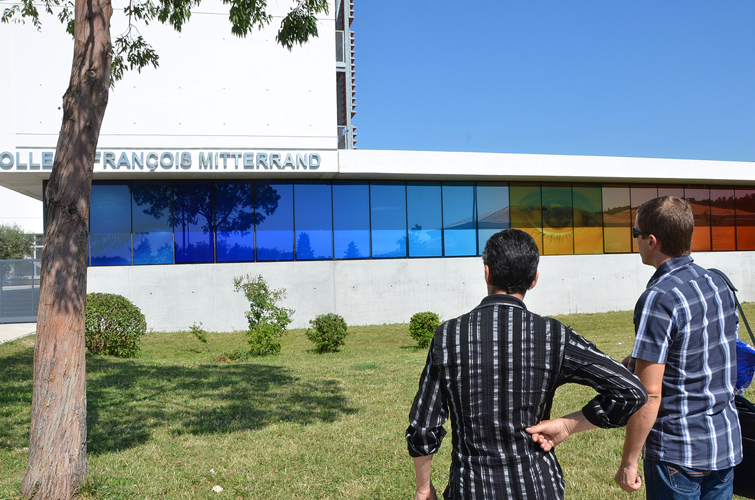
736 301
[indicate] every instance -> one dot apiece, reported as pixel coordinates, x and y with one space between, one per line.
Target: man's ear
537 275
487 274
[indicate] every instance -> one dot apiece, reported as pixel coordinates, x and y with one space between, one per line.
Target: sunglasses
636 233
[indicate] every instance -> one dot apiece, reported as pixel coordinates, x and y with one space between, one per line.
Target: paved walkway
13 331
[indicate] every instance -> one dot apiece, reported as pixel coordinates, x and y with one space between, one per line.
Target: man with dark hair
685 355
495 370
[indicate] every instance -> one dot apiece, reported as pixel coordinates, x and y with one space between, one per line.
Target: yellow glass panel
537 235
558 241
617 239
588 240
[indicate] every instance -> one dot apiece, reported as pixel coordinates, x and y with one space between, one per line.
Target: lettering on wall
177 161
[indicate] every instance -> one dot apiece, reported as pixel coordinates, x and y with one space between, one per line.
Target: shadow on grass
129 400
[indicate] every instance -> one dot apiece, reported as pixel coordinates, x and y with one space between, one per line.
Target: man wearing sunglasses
685 356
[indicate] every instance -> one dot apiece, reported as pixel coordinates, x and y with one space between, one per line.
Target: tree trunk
57 442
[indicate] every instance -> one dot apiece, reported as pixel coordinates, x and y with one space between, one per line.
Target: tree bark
57 442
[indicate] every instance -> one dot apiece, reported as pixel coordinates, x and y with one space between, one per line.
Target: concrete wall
387 291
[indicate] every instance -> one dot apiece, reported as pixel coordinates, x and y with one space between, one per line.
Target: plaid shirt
495 371
687 320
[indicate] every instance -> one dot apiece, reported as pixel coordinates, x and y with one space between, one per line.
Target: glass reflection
639 195
388 217
699 199
617 220
492 211
423 207
723 219
110 231
234 220
274 218
745 202
459 220
192 221
558 223
588 219
351 220
526 210
314 220
152 219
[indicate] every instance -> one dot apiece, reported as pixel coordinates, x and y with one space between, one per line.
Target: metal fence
19 290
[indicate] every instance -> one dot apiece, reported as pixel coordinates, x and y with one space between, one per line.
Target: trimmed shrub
422 327
267 321
114 325
327 332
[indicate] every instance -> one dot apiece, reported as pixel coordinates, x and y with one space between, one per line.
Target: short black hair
512 257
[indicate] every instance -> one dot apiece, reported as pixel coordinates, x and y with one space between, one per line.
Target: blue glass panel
351 220
192 220
460 234
388 212
314 220
423 207
234 220
493 213
274 214
152 219
110 225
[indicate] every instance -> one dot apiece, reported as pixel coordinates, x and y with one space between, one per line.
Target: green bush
267 321
422 327
327 332
114 325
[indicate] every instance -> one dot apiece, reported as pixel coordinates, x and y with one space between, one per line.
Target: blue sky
662 78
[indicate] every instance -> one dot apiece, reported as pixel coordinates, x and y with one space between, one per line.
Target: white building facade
237 157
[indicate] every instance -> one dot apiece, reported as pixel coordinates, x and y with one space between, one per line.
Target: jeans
666 481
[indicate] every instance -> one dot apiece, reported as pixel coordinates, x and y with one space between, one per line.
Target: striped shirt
495 371
687 320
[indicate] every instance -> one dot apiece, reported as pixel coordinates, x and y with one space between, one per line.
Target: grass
173 423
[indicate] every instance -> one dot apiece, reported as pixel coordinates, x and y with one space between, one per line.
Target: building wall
387 291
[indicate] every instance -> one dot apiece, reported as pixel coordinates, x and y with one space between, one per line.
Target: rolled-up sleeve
620 393
428 414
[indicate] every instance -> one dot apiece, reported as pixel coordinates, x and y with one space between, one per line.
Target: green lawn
297 425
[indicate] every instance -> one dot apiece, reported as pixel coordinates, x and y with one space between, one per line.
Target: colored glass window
677 191
699 199
423 209
723 216
492 211
313 217
745 202
110 225
588 219
274 218
639 195
617 219
459 231
234 221
192 221
351 220
526 210
558 220
388 217
152 219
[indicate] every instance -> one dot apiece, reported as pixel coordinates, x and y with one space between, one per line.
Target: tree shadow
128 400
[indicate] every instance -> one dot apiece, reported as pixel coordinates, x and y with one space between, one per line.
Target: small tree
327 332
267 320
14 243
422 327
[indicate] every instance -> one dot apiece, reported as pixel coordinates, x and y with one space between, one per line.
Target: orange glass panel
639 195
588 240
745 203
699 199
723 219
617 236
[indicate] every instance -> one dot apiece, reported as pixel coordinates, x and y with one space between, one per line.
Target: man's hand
549 433
629 363
426 493
627 477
